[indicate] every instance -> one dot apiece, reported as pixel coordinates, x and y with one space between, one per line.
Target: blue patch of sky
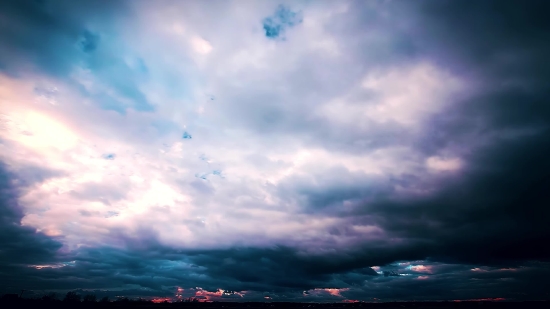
186 135
204 176
283 18
173 83
94 44
203 157
107 102
141 66
88 41
109 156
165 126
111 69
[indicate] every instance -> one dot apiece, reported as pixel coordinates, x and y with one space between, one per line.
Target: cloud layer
296 151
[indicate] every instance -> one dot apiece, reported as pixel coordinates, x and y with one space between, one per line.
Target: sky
311 151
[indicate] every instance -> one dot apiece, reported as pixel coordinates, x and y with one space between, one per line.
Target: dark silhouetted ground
13 301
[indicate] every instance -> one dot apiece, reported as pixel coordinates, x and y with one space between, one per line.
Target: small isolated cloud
443 164
421 268
283 18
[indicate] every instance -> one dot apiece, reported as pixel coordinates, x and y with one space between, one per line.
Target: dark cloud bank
492 217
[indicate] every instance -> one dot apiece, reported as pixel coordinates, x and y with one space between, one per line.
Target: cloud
358 147
21 245
201 46
442 164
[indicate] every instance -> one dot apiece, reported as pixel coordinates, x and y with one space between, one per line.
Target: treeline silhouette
75 300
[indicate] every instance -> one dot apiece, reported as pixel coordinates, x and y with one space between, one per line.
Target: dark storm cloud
162 269
494 213
494 210
328 189
278 268
150 269
20 245
283 273
463 281
504 38
504 50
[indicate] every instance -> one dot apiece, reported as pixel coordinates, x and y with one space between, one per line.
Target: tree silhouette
104 299
123 299
71 297
50 296
90 298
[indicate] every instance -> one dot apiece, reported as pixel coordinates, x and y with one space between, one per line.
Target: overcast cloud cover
276 150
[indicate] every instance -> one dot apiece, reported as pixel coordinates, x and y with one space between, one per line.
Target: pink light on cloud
422 268
331 291
161 300
207 296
